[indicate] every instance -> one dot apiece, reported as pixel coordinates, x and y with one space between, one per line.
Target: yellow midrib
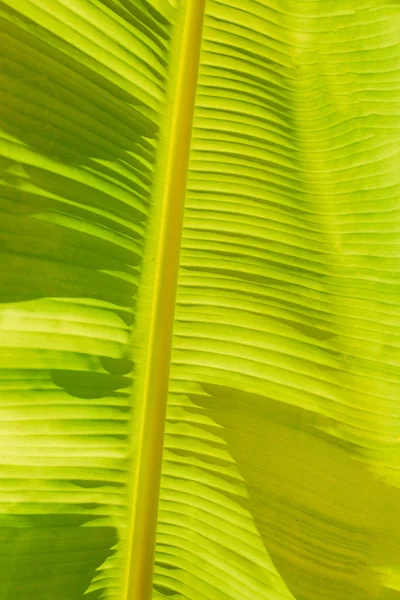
157 303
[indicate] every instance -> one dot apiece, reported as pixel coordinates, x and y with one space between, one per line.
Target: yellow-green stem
157 304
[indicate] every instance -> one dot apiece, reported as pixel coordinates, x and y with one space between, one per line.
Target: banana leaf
199 300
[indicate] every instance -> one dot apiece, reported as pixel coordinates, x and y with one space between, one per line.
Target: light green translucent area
83 93
286 341
281 455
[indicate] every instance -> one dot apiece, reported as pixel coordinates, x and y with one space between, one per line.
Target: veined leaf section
83 87
285 364
158 293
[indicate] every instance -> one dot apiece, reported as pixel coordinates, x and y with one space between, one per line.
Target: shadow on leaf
326 520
